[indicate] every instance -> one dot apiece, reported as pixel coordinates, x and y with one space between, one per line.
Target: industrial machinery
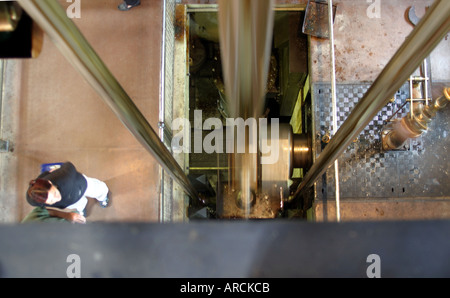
249 73
246 184
368 165
239 69
413 126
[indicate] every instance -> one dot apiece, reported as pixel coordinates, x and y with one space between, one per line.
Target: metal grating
365 170
169 49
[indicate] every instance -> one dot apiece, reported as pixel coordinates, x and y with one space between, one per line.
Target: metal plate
365 170
316 19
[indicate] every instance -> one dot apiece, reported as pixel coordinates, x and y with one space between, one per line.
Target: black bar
227 249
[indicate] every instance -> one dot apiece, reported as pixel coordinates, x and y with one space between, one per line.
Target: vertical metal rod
162 101
423 39
411 96
333 103
425 66
52 19
162 74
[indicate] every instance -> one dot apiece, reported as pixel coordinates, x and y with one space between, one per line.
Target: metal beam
419 44
52 18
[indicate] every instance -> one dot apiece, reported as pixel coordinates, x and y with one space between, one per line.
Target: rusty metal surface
316 19
363 45
231 206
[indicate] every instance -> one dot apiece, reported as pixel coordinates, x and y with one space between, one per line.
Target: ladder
424 82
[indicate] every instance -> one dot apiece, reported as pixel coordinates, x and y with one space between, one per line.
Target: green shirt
41 214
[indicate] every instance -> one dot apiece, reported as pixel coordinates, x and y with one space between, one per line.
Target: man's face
54 196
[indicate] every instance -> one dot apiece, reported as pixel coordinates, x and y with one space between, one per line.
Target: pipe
413 127
419 44
245 29
333 103
51 17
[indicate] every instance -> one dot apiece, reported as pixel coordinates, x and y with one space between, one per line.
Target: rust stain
181 25
380 212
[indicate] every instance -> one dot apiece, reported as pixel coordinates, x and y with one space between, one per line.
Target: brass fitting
412 127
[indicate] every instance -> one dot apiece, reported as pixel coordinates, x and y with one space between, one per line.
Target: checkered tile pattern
367 171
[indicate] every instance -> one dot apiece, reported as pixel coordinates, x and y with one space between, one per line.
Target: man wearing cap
66 188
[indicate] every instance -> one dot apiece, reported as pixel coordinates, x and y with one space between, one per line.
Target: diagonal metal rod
419 44
52 18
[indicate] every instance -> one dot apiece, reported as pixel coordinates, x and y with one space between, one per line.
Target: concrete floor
52 115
